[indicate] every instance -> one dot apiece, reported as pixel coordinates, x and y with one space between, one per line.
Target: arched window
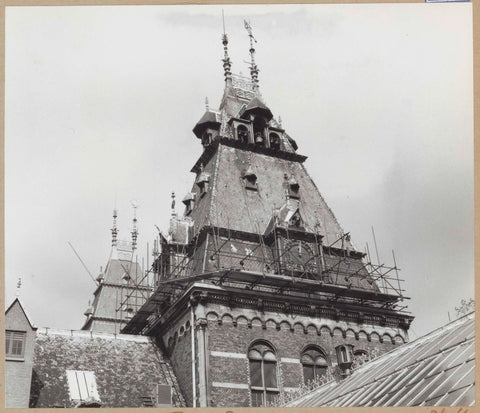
259 130
242 134
314 363
263 374
275 141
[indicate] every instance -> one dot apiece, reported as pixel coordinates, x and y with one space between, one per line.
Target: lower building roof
124 369
437 369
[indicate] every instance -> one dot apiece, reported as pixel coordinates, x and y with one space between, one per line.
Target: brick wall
231 331
18 372
178 343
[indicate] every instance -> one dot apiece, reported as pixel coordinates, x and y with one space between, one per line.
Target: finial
173 203
279 121
134 229
207 108
253 67
19 284
227 64
114 228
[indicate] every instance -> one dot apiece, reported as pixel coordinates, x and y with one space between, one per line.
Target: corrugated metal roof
437 369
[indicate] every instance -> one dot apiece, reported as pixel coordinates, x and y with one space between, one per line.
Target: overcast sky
101 101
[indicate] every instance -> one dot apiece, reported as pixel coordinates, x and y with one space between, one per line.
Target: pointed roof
226 195
257 106
18 302
209 118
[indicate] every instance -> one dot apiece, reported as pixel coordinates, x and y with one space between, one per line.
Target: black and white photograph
239 206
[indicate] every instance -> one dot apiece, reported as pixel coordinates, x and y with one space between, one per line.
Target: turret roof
209 118
257 104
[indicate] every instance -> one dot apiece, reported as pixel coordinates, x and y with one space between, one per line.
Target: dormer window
207 138
203 182
293 188
243 134
250 179
189 202
275 141
129 313
295 221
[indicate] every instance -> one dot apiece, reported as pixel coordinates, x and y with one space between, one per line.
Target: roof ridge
92 334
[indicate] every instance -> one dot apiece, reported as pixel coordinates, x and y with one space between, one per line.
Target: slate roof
208 118
437 369
127 368
257 104
227 204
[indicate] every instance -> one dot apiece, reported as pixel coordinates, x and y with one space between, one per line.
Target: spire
134 229
253 67
227 64
207 108
114 228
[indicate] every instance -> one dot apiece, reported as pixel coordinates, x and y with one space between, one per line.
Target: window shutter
82 385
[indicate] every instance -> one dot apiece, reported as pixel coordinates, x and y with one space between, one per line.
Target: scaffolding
225 257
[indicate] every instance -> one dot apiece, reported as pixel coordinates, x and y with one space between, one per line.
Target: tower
258 289
121 288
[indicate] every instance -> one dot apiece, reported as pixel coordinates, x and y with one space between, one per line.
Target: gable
16 317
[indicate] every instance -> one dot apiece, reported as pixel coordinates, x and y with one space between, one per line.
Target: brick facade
229 332
18 371
178 345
